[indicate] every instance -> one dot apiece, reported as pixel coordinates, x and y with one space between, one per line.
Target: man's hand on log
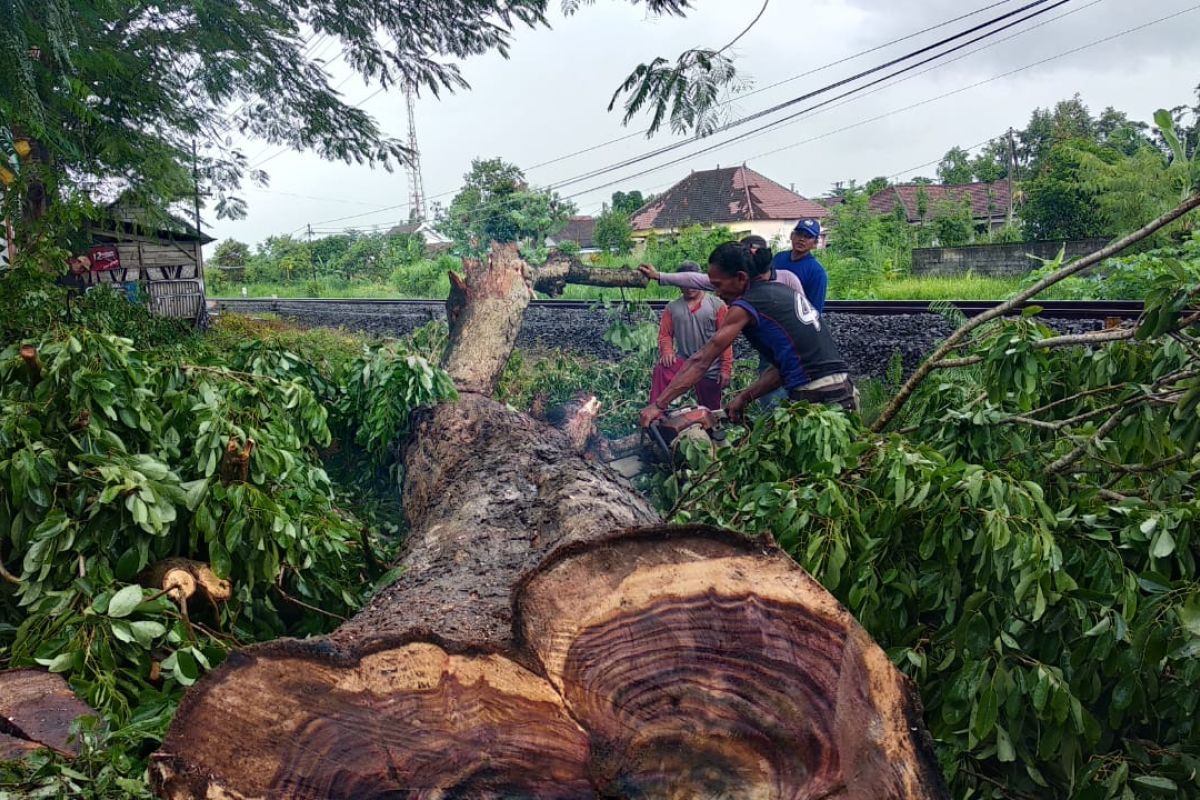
649 414
650 272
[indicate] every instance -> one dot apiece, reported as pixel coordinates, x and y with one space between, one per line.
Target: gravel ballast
867 341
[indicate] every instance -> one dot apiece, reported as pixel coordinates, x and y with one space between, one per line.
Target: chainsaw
661 441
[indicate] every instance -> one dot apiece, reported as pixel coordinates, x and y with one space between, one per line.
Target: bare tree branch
753 22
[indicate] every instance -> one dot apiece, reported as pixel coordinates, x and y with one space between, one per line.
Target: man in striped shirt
687 324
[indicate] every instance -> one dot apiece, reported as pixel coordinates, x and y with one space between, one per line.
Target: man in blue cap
803 264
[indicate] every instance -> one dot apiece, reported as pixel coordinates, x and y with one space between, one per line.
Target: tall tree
613 233
628 202
1069 119
1059 203
118 94
496 204
231 253
956 167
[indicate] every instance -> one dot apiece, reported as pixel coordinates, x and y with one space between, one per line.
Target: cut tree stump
37 710
550 638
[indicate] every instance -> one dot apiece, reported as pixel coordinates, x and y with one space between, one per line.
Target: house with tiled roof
737 197
919 202
581 231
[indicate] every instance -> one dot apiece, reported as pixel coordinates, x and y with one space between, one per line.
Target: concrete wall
1000 260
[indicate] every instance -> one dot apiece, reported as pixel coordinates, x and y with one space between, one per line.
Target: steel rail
1055 309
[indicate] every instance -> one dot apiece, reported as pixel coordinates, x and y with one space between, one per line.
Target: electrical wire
910 107
668 148
726 103
836 85
860 123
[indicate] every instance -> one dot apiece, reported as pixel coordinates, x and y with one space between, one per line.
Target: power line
876 118
626 137
895 111
835 85
659 151
824 107
776 84
975 146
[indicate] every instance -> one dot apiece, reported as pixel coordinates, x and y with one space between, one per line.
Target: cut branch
1020 299
6 575
485 311
1108 427
181 578
558 272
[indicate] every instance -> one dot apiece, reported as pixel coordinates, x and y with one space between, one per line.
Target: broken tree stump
37 710
550 638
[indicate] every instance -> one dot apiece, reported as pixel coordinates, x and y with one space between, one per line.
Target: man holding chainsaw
781 325
687 324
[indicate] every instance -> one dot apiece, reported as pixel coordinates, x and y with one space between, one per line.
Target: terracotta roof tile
988 200
717 196
581 230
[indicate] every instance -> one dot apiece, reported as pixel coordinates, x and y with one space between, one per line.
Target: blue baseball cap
809 227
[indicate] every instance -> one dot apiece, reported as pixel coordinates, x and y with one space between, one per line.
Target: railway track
1057 309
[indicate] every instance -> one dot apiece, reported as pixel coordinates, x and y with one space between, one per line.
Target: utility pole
311 260
1012 168
196 208
416 184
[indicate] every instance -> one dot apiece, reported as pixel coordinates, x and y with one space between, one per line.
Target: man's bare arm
696 366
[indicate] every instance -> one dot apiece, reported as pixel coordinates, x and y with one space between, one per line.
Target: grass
939 288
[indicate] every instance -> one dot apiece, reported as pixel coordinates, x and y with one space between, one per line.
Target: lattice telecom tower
416 184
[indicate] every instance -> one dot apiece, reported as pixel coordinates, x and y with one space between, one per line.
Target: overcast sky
550 97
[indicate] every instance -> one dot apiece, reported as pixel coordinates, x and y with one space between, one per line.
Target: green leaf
983 716
128 565
194 492
1189 614
125 601
1156 783
1100 627
1164 545
1004 746
120 630
146 631
60 663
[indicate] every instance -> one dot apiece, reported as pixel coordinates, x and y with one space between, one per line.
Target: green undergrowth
119 447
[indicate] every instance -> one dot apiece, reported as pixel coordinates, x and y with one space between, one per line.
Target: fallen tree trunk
37 710
550 638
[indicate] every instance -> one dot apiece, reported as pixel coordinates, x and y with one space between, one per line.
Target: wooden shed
159 255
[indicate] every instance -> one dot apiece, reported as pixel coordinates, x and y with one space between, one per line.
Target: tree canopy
129 95
496 204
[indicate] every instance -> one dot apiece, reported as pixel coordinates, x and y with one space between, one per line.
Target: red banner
105 257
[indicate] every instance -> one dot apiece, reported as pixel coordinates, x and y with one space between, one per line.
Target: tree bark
550 638
37 710
559 271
